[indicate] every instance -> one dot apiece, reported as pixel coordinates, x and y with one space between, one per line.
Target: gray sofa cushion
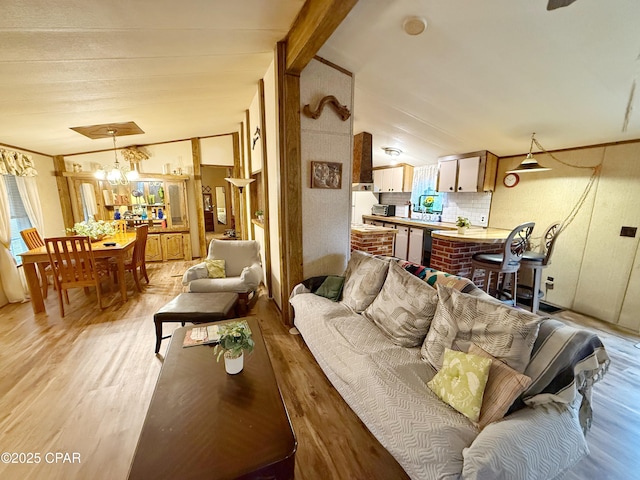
364 277
404 308
506 333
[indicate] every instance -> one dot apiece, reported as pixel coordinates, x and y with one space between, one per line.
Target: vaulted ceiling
483 75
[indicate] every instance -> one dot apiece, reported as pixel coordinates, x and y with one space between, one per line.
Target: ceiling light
414 25
529 164
117 175
391 151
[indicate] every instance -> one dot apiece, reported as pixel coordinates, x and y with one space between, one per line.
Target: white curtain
10 281
424 181
89 203
28 189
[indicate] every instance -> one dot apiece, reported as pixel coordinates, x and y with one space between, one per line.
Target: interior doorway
216 199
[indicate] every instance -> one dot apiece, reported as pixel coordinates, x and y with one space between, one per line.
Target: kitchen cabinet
153 252
415 250
393 179
375 222
471 172
168 246
401 246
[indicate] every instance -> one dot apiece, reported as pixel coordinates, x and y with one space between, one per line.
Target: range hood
362 162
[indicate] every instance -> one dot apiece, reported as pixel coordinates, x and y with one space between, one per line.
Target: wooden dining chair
74 266
121 227
32 240
137 262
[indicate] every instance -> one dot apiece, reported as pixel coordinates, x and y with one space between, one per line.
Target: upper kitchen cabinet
393 179
469 172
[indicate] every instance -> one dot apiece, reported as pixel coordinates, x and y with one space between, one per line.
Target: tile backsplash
474 206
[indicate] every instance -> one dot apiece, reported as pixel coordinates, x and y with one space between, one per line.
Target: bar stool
537 261
506 262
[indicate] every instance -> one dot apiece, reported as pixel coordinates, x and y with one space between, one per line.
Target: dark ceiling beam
315 23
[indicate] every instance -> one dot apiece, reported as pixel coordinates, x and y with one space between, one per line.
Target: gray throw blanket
579 359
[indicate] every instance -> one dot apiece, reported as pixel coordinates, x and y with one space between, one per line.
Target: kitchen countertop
474 235
412 222
371 229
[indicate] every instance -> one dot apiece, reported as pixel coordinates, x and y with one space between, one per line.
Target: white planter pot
233 365
462 230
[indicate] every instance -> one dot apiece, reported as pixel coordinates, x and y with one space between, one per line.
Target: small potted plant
463 223
260 215
235 339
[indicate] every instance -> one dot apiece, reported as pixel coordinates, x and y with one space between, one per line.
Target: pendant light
529 164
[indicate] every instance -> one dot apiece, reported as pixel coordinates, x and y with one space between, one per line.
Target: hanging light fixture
529 164
117 175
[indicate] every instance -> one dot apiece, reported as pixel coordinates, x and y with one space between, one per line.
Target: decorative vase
462 230
233 365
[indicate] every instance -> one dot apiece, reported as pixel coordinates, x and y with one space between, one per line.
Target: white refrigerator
361 203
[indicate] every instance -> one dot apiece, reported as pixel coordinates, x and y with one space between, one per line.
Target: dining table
102 249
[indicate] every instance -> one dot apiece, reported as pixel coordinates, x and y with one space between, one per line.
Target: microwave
383 210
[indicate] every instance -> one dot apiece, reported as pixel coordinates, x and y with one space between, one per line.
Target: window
19 219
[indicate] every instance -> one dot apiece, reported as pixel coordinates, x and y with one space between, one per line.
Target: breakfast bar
372 239
452 251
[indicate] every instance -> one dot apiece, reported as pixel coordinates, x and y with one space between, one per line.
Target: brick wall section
373 243
455 257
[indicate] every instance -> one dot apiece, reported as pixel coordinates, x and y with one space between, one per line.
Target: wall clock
511 180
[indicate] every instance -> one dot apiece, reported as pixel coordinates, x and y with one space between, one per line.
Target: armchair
243 270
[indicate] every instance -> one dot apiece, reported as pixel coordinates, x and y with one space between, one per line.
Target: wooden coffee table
204 423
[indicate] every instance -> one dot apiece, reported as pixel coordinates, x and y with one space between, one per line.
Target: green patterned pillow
215 268
461 382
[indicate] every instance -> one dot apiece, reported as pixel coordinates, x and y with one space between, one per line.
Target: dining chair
74 266
137 261
507 262
32 240
121 227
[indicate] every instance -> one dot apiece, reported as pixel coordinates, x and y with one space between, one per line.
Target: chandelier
117 175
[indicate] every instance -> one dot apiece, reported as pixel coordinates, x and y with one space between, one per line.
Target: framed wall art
326 175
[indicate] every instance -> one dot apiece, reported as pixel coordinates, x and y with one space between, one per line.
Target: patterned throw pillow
506 333
461 382
215 268
503 387
404 307
364 277
432 277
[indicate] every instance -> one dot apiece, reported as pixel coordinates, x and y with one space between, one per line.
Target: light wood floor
82 384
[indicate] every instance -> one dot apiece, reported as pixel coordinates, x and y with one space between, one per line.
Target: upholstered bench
195 308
